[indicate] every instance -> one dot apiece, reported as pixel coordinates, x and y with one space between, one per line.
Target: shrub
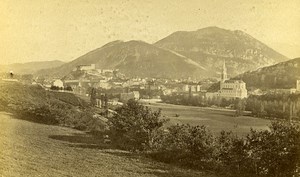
274 153
230 154
187 145
134 126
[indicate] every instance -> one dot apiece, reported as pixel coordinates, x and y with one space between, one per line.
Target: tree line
281 106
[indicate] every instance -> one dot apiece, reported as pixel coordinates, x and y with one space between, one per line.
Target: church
231 88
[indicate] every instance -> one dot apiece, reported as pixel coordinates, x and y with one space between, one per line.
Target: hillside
210 46
134 58
34 103
30 67
281 75
30 149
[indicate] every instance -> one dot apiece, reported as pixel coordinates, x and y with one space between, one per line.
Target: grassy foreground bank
31 149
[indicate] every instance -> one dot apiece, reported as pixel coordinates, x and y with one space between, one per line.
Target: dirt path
31 149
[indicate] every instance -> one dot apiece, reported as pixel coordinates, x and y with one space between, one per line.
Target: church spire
224 72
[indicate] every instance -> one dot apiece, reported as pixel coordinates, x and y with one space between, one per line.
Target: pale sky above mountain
39 30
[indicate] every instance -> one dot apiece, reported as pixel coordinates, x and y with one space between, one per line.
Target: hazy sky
39 30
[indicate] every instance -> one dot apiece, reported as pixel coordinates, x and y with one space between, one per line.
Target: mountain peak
212 28
136 59
137 42
112 43
211 45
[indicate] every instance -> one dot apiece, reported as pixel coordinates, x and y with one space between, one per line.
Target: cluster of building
228 88
113 82
136 88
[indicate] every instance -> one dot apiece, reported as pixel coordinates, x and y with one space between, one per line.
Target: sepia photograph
149 88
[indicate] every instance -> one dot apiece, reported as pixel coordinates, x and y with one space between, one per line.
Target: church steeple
224 72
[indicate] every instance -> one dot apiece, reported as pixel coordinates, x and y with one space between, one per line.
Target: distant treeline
282 106
189 100
202 101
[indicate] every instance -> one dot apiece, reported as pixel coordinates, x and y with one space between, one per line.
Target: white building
132 95
192 88
212 95
86 67
231 88
58 83
185 88
104 85
136 95
298 86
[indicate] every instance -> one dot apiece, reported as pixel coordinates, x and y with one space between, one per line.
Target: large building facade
298 85
231 88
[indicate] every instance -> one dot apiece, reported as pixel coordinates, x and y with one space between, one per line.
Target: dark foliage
134 126
185 145
281 75
202 101
55 87
282 106
274 153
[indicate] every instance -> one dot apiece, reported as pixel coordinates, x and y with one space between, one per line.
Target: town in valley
150 89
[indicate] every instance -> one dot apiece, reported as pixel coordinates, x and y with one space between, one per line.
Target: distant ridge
278 76
30 67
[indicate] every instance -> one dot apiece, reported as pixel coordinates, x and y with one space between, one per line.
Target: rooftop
227 89
234 81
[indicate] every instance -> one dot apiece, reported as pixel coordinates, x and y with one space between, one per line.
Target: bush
39 114
230 154
187 145
134 126
273 153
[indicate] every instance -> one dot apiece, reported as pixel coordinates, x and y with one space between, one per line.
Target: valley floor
215 119
31 149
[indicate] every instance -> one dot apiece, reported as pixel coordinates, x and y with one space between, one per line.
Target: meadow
216 120
32 149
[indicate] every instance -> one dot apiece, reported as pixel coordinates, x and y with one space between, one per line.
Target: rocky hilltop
210 46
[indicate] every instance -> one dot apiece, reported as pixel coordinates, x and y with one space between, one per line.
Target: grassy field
31 149
216 120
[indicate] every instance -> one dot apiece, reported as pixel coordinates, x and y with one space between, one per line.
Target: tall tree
134 125
93 96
